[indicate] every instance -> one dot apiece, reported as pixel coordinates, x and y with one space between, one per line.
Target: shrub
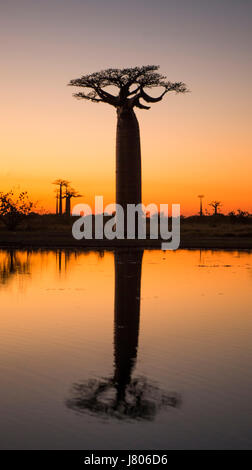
14 210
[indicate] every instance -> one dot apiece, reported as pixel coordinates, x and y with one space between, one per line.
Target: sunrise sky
198 143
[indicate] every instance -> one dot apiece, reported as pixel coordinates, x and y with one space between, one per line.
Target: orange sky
192 144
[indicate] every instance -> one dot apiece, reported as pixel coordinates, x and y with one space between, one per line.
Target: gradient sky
191 144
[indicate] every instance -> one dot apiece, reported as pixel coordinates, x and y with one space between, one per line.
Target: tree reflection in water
123 396
11 264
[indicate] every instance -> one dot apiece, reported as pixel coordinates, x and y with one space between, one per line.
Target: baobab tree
57 201
61 183
201 208
215 205
69 194
131 85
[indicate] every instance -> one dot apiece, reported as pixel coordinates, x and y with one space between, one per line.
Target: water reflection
12 264
121 395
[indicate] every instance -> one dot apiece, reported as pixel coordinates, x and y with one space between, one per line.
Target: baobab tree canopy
131 83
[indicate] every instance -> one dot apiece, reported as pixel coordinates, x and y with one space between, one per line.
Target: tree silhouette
57 201
59 196
122 396
131 84
242 214
215 205
201 209
14 210
69 194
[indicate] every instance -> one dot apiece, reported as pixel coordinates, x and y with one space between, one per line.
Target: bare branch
87 97
149 99
143 77
140 105
134 91
107 97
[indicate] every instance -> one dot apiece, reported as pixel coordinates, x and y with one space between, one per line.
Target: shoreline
63 240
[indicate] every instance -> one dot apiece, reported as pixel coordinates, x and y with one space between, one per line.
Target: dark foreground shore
49 231
65 240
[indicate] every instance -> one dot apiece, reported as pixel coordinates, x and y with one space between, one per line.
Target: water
129 350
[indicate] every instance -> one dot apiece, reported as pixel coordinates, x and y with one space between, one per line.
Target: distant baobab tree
57 201
69 193
201 209
131 84
59 196
215 205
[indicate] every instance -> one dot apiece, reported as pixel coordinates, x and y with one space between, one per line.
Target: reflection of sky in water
194 344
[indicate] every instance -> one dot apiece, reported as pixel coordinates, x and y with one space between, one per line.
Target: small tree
14 210
215 205
242 214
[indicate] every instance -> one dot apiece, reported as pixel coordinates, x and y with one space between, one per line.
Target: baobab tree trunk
128 159
57 203
68 206
60 200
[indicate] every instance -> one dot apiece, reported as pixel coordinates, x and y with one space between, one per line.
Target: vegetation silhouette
215 205
122 396
57 201
130 85
201 208
27 227
69 194
14 210
59 194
